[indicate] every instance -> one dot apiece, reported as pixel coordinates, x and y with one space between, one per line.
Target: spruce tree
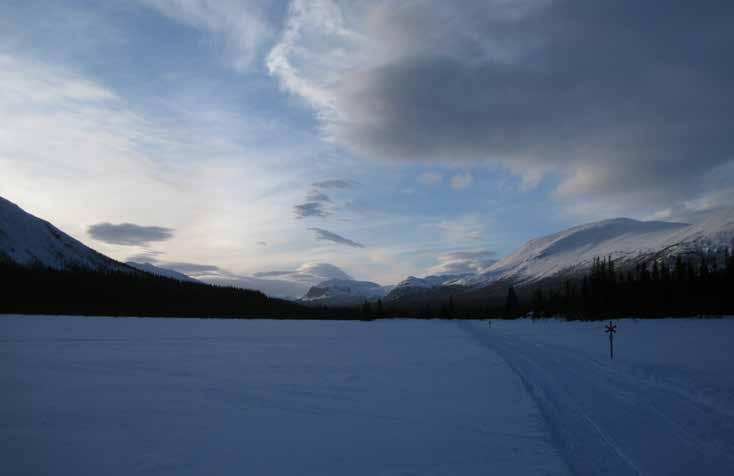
511 303
538 302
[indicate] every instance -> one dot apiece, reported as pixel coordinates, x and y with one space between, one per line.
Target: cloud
194 269
463 262
272 274
77 138
323 270
317 196
326 235
241 27
469 227
310 273
310 209
148 256
430 178
129 234
317 203
191 269
337 183
461 181
622 110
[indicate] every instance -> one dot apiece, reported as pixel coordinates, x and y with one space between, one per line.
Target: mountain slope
570 254
27 240
37 259
622 239
416 287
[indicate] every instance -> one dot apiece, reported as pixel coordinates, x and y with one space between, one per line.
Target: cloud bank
622 101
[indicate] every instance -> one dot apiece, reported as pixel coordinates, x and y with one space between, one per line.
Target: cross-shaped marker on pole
611 329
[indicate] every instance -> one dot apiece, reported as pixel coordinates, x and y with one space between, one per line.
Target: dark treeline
38 290
700 286
703 285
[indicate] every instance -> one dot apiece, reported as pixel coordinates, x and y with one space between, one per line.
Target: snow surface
172 396
27 240
169 396
664 406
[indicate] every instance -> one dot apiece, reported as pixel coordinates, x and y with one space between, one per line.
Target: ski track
607 418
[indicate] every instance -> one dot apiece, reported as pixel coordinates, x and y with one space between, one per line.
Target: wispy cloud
194 268
148 256
468 227
461 181
240 26
317 203
430 178
129 234
310 209
308 272
315 195
464 262
272 274
327 235
335 183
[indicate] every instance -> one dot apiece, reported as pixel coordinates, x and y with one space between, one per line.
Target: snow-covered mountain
28 241
623 239
158 271
413 286
344 292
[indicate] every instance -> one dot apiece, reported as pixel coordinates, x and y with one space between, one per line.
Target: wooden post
611 346
611 329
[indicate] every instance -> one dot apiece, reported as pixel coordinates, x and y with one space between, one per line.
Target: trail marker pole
611 329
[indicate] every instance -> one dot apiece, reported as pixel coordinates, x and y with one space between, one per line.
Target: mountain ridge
570 253
31 241
343 292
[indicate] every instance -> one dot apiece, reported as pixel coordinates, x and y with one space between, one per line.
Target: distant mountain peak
344 292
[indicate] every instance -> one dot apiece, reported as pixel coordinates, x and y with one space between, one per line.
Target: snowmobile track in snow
606 419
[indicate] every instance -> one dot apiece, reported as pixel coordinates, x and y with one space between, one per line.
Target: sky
275 144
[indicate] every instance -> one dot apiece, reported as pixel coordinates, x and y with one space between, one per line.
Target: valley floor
171 396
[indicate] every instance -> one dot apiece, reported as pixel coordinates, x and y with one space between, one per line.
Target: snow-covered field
171 396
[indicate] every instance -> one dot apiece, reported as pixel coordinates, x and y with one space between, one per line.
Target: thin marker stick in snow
611 329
